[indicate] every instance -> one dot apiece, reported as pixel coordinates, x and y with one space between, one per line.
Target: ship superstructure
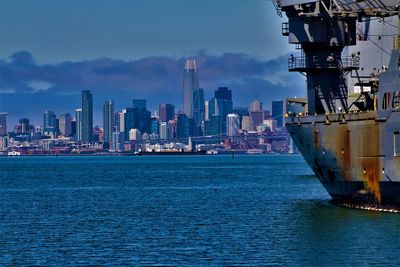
351 143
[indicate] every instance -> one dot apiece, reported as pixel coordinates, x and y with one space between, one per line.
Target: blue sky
50 50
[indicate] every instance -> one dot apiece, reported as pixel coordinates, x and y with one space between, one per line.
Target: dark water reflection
253 210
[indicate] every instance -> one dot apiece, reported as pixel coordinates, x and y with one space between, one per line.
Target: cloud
38 87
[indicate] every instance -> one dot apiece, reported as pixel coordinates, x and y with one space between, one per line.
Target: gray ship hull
353 155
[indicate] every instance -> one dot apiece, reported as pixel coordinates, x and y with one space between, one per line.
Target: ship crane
323 28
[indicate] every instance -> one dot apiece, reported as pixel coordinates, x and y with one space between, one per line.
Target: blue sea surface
182 210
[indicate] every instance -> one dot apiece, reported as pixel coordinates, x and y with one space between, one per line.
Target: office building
278 112
87 116
246 123
108 122
131 120
198 107
120 118
139 103
166 112
182 126
190 84
24 125
65 124
163 131
49 120
232 124
257 117
78 119
255 105
3 123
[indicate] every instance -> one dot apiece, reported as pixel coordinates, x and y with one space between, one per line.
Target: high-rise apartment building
190 84
3 123
87 116
108 122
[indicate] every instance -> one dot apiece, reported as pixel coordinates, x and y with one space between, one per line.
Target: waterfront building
3 123
255 105
65 124
87 116
135 135
108 122
78 119
232 124
190 84
278 112
118 140
139 103
166 112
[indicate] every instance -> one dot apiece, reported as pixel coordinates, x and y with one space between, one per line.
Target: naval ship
348 127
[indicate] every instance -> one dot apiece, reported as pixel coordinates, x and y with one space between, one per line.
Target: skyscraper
139 103
278 110
108 122
87 116
232 124
198 107
220 105
65 124
131 120
255 105
190 84
182 126
166 112
3 123
49 120
78 119
24 125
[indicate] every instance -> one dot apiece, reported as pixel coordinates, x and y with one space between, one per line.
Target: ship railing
302 64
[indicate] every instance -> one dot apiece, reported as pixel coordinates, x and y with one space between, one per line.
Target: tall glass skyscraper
87 116
108 122
190 84
3 123
78 119
65 124
198 107
278 112
49 120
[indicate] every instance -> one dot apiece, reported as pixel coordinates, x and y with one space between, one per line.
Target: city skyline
38 73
